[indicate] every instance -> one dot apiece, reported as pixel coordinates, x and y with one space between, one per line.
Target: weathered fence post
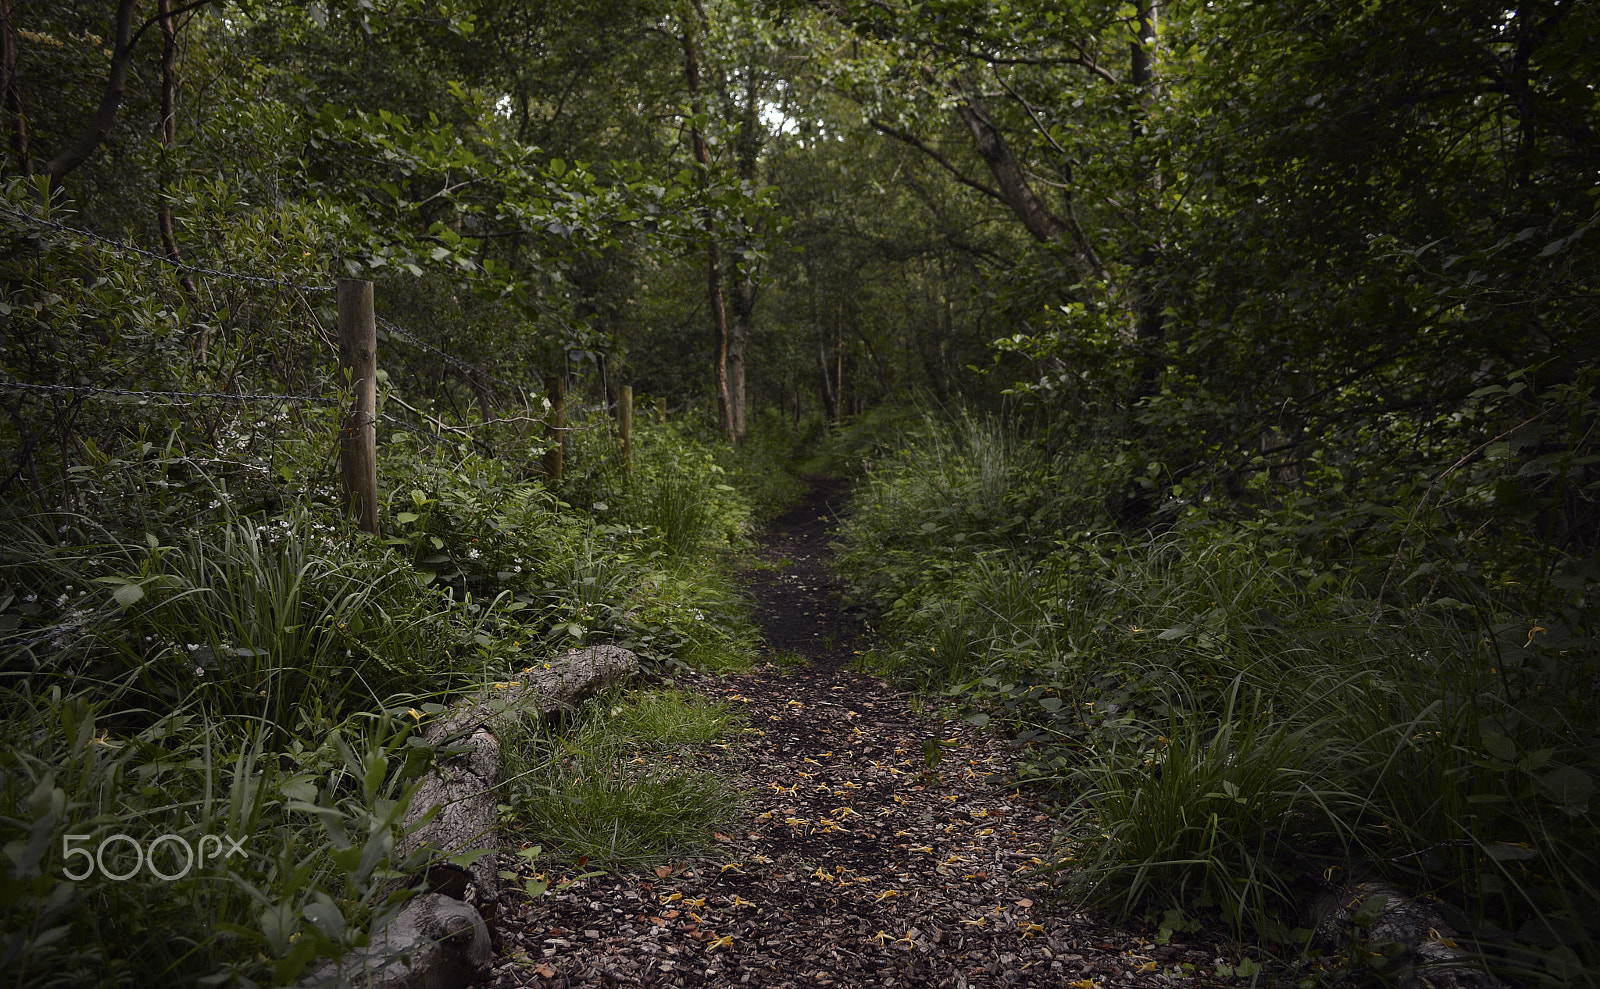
625 422
358 435
555 426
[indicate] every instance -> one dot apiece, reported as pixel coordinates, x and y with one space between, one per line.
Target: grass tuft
624 787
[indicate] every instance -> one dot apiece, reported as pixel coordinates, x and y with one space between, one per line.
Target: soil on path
879 846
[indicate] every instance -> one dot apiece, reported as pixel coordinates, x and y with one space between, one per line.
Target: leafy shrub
279 851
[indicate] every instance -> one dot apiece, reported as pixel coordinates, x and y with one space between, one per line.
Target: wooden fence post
555 426
358 435
625 422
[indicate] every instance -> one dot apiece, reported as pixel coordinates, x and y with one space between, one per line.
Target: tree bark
719 342
719 313
830 402
110 101
105 114
746 273
744 305
1044 225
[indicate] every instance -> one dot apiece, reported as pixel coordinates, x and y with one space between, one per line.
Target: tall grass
624 787
261 678
1234 714
261 858
247 619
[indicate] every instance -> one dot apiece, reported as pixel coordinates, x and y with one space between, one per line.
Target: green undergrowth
1237 708
194 658
623 785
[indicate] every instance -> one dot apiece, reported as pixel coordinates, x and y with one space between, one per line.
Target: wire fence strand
464 435
125 248
184 396
472 369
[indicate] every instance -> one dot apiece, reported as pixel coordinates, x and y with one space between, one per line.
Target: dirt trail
858 861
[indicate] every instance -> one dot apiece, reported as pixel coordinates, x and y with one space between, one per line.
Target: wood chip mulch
856 863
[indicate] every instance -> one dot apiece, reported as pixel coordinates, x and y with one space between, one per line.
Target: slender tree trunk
169 138
746 273
719 341
1149 323
719 314
838 357
11 91
1003 165
830 402
744 303
110 101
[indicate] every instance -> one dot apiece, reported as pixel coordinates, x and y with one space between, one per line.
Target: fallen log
463 785
442 945
1382 919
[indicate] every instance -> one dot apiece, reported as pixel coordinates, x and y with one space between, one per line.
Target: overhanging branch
934 153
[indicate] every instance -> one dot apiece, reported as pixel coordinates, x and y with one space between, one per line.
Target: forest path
855 862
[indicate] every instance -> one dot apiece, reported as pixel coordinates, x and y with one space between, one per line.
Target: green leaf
1568 787
128 595
1370 910
325 913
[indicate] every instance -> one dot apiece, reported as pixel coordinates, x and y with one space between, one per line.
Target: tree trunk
830 403
745 272
838 358
719 342
169 137
11 91
738 336
1149 322
996 153
110 101
719 313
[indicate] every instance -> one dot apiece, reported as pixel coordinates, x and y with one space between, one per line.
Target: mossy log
455 813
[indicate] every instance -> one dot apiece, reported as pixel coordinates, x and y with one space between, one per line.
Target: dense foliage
1222 378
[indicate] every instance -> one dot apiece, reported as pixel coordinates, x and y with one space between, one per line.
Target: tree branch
1078 235
116 83
944 162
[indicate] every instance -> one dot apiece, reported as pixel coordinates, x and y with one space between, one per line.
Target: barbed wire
188 396
472 369
439 439
118 245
